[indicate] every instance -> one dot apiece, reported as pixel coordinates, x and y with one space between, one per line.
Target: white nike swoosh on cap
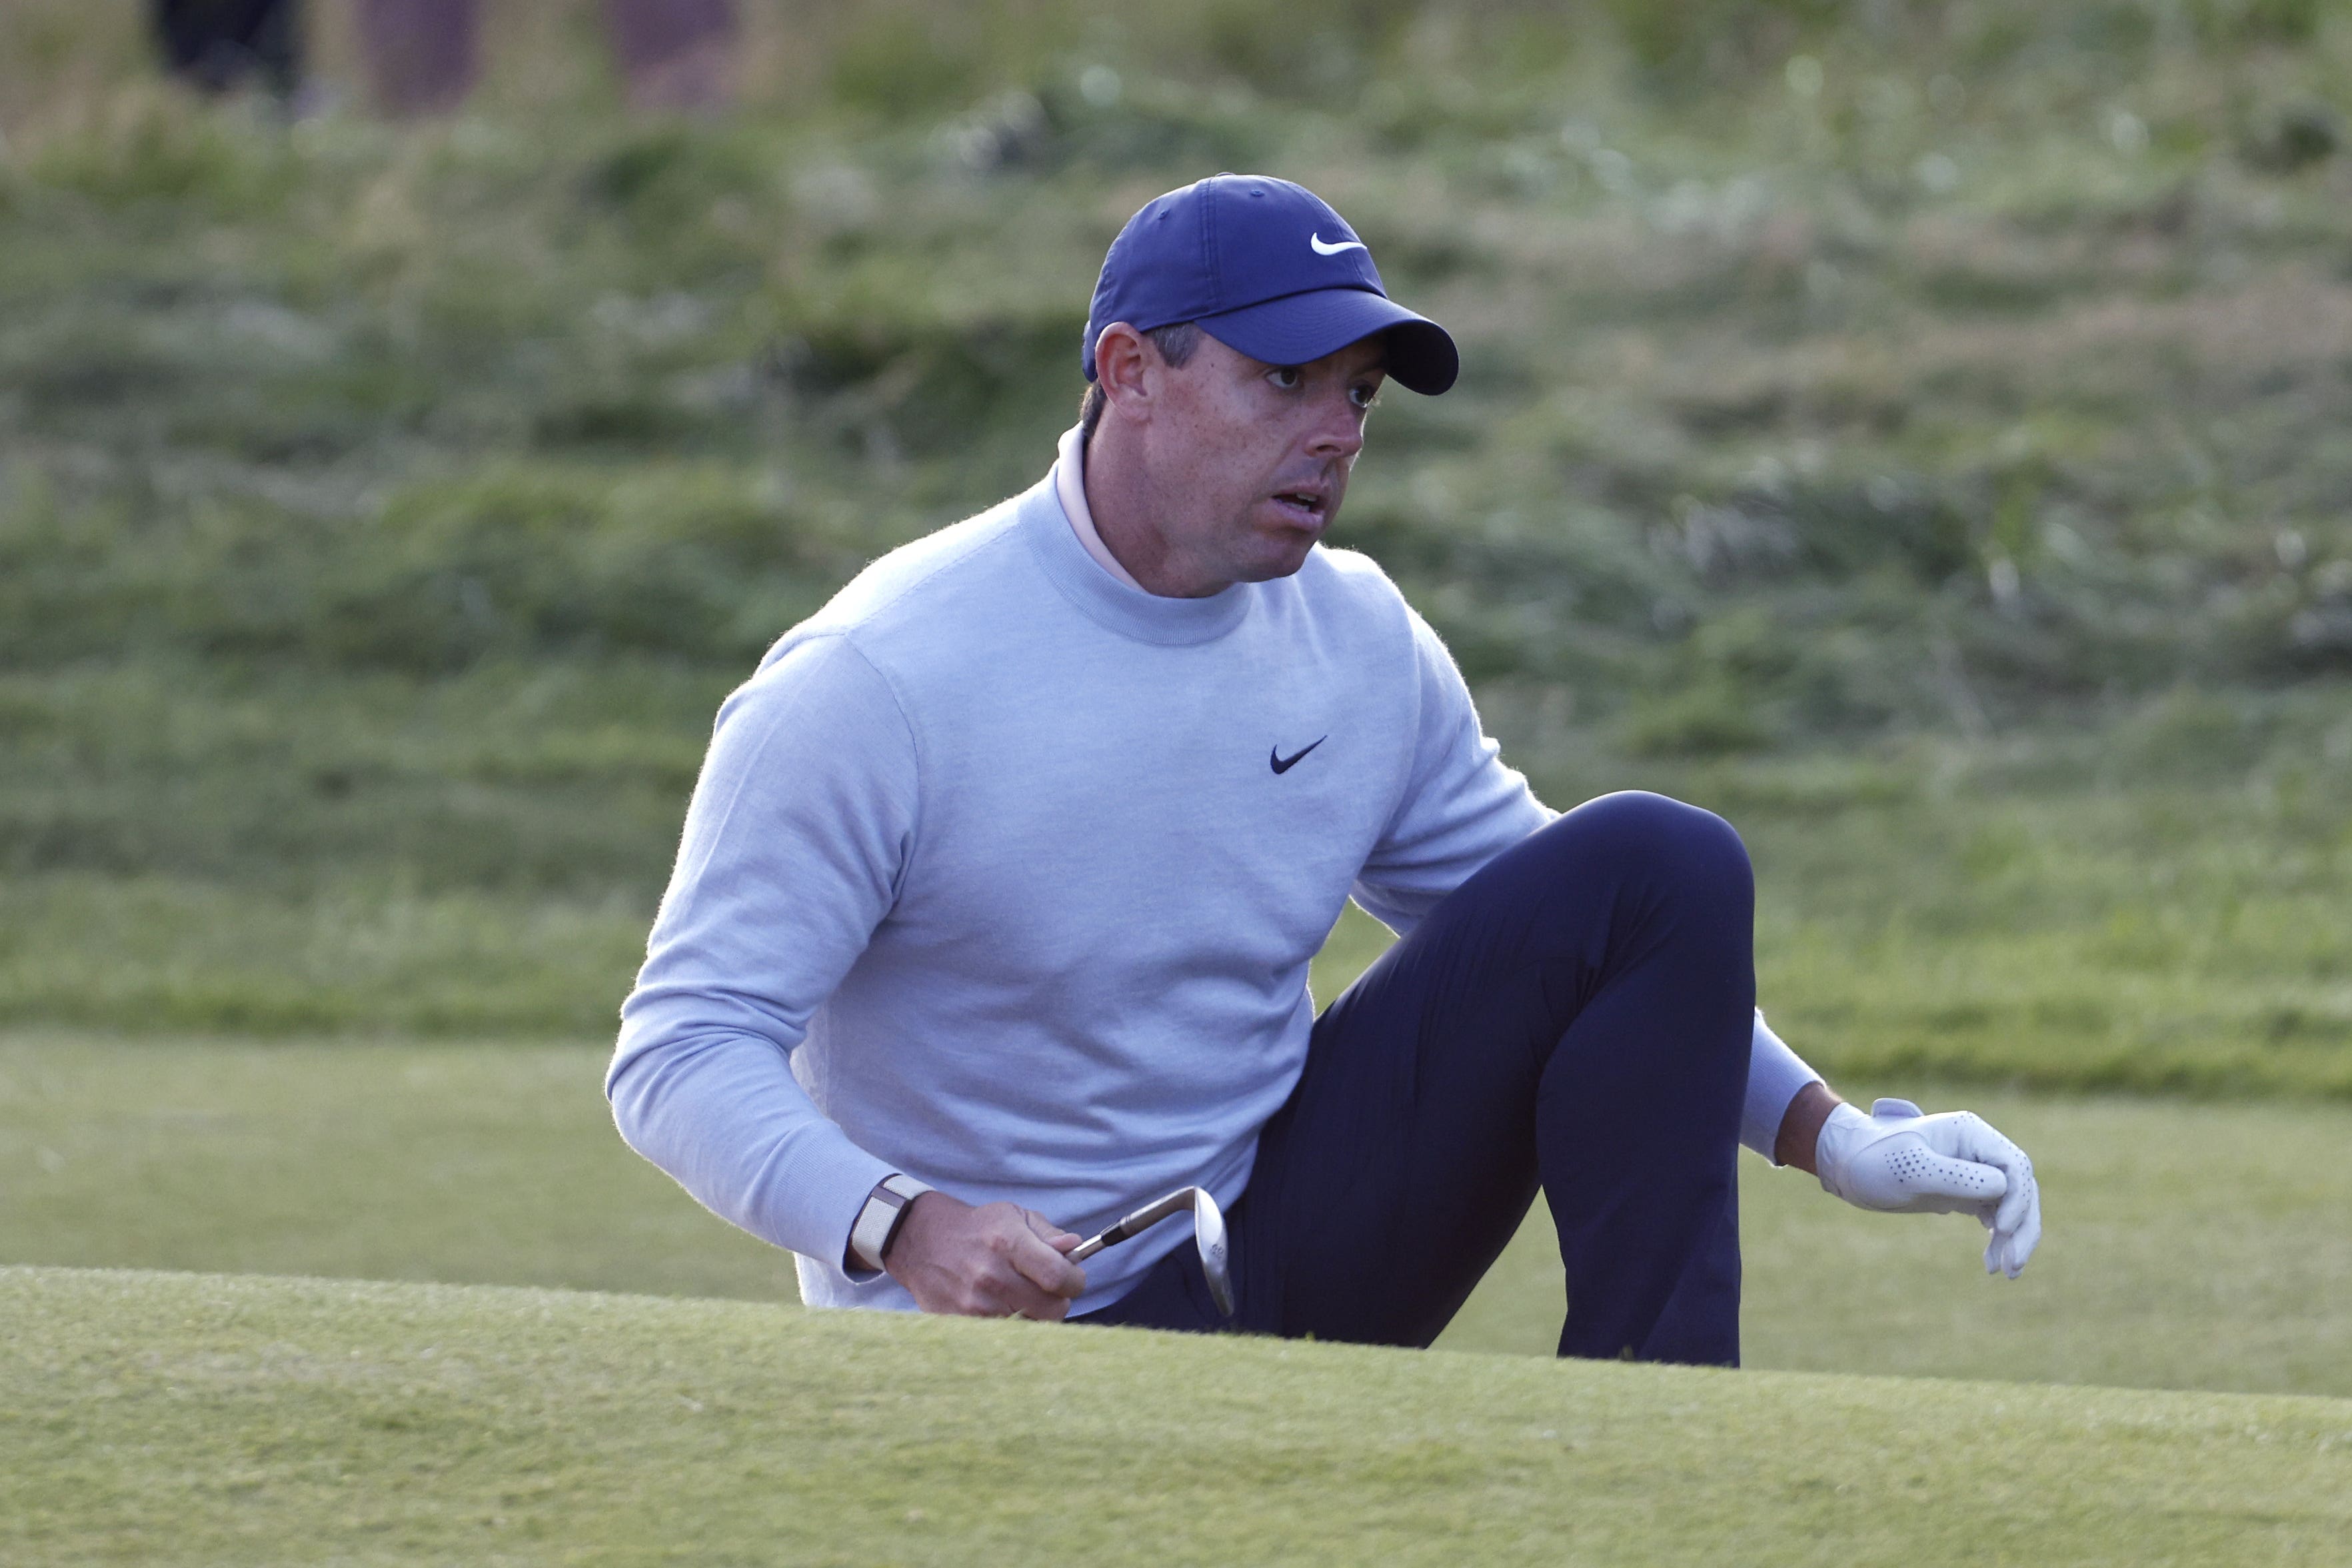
1321 249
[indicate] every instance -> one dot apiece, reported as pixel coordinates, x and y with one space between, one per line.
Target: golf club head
1209 1235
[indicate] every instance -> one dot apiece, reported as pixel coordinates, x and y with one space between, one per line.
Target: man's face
1250 460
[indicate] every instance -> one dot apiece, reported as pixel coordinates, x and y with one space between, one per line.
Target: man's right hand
992 1261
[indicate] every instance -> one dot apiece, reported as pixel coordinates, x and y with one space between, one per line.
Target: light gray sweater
989 879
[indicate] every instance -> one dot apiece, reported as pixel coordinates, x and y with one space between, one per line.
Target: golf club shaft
1134 1225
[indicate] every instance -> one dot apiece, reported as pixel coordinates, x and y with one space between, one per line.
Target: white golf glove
1899 1161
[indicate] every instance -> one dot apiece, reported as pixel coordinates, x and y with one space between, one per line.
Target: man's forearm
1776 1075
1801 1128
724 1116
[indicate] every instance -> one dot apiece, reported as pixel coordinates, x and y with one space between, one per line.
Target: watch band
878 1221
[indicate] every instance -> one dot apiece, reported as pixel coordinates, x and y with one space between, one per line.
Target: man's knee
1654 835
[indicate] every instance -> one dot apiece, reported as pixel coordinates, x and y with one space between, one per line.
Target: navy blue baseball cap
1266 269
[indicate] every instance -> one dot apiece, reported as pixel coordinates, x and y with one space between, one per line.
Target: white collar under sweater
1070 488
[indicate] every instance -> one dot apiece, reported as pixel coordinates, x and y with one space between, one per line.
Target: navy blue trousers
1576 1016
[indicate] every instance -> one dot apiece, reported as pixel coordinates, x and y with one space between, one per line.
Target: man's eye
1363 397
1284 376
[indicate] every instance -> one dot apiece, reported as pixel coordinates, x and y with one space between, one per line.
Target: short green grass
191 1419
376 1161
2190 1246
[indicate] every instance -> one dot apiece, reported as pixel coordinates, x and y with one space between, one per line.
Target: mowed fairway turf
188 1419
2190 1246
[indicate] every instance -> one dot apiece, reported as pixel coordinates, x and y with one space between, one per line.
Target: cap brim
1299 327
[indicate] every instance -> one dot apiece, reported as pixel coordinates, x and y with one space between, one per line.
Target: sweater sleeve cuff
839 1194
1775 1075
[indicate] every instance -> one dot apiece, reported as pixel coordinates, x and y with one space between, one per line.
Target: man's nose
1339 428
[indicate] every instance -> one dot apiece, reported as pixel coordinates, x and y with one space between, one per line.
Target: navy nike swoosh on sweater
1282 764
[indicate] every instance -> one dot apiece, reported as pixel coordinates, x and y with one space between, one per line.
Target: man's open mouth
1305 506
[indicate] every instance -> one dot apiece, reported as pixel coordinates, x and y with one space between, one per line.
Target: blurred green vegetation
1918 430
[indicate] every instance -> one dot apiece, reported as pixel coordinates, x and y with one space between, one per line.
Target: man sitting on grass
1002 880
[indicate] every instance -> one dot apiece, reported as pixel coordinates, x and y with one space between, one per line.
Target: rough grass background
1917 433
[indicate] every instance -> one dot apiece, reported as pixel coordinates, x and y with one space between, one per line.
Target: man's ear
1123 367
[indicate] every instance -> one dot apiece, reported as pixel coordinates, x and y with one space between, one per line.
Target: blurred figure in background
423 56
222 45
674 53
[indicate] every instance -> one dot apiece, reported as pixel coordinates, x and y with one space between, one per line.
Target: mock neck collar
1070 488
1121 606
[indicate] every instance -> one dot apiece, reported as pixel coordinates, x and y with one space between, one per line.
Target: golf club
1208 1232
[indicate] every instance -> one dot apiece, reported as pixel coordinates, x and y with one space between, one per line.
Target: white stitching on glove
1897 1161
